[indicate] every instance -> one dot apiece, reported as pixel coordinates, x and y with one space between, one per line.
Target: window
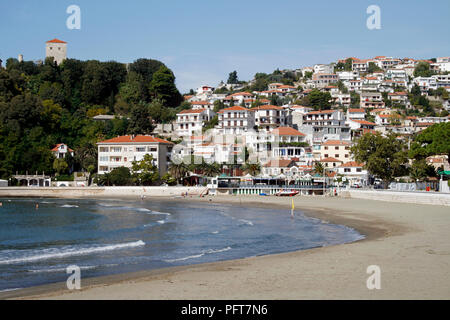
336 148
346 155
346 169
140 149
358 169
116 149
326 148
104 159
104 149
336 156
326 155
152 149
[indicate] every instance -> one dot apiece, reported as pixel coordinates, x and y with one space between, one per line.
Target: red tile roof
56 41
287 131
356 110
330 159
278 163
336 143
364 122
135 139
60 144
352 164
191 111
235 108
267 107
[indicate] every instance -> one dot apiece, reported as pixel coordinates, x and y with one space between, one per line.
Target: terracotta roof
352 164
397 93
357 110
235 108
60 144
56 41
287 131
267 107
336 143
200 103
278 163
364 122
320 112
330 159
191 111
135 139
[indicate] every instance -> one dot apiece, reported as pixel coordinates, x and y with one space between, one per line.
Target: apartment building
336 149
123 150
190 122
371 100
236 120
268 117
320 126
320 80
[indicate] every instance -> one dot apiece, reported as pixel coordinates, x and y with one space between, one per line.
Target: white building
190 122
56 49
354 173
61 150
268 117
236 120
123 150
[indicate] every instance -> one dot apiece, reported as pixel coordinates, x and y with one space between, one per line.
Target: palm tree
178 170
212 169
318 168
253 168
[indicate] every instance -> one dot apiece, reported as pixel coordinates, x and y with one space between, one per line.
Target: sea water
106 237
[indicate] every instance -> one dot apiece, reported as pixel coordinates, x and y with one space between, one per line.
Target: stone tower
57 49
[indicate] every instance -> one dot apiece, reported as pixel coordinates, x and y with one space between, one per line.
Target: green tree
120 176
252 168
60 166
423 69
432 141
384 157
145 172
163 87
233 78
140 121
319 168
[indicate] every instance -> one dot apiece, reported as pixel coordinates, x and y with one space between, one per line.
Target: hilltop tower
57 49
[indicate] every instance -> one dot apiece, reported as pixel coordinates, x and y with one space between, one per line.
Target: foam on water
209 251
25 256
69 206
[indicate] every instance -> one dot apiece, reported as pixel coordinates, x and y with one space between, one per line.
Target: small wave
185 258
12 289
248 222
69 206
215 232
161 221
218 250
60 269
161 213
63 252
209 251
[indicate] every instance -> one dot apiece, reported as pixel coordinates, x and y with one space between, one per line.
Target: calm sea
106 237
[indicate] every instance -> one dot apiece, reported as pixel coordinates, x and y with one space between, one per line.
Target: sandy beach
409 242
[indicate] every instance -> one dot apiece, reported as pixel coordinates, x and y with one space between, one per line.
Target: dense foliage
42 105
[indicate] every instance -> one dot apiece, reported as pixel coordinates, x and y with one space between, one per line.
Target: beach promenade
409 242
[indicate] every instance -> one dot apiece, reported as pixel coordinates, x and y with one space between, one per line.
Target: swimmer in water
37 206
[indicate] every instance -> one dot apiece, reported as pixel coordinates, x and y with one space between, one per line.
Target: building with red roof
122 151
56 49
61 150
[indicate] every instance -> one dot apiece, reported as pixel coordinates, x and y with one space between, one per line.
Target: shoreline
375 229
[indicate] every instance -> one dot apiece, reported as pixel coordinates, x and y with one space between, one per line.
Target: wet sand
409 242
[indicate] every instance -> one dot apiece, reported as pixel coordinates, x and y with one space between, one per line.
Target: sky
203 41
